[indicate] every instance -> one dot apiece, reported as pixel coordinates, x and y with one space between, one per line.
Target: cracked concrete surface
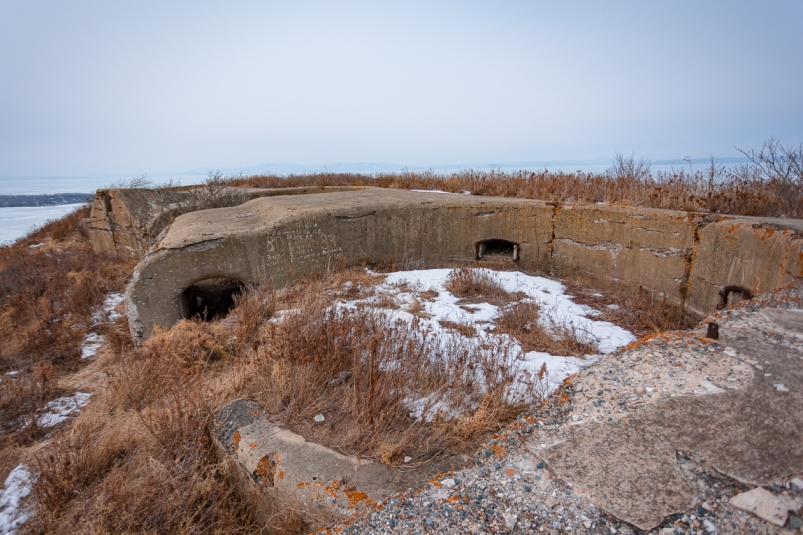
751 434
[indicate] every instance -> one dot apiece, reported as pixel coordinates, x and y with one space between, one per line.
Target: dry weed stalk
770 185
475 285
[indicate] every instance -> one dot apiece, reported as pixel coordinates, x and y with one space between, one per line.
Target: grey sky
168 86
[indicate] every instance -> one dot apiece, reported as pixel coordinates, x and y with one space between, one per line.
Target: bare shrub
380 382
475 285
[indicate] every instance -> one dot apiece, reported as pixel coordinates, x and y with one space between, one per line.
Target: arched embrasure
210 298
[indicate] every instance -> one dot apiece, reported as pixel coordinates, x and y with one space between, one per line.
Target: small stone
319 418
780 387
709 526
587 524
408 459
510 520
497 466
763 504
527 488
540 466
613 529
797 484
510 471
795 522
448 483
429 522
706 506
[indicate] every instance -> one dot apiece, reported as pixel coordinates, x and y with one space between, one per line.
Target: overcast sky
160 87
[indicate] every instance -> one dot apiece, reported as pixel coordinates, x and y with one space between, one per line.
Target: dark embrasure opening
497 248
210 299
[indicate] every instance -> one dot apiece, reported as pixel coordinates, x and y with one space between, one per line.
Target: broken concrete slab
763 504
275 468
628 464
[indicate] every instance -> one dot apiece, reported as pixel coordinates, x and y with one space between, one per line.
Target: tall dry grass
387 391
51 283
769 185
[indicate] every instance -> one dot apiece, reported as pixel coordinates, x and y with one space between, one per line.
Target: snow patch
92 343
62 408
18 485
438 305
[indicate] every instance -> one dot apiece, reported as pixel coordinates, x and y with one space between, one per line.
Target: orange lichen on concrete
331 489
354 497
235 440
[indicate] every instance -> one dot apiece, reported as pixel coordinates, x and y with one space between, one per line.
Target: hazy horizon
94 88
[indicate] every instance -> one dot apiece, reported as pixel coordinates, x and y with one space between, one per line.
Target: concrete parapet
755 254
126 222
281 238
634 246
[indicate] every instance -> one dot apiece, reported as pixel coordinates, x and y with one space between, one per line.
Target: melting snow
107 313
60 409
18 485
557 308
92 343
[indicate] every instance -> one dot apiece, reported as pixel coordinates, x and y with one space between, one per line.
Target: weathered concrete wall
633 246
125 222
688 257
759 254
280 238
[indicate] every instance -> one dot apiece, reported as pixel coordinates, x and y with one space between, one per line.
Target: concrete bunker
497 248
697 261
210 299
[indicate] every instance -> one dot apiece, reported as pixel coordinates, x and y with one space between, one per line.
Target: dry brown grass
362 370
140 458
639 311
479 285
522 321
48 294
680 190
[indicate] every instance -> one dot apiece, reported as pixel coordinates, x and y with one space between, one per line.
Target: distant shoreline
13 201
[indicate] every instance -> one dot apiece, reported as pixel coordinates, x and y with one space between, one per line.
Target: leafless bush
478 284
627 168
